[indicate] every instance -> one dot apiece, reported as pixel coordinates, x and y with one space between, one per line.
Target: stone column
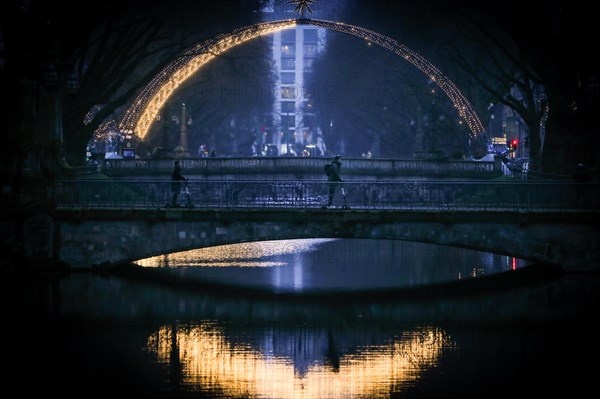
183 138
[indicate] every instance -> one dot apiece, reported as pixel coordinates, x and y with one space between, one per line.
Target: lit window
288 50
288 92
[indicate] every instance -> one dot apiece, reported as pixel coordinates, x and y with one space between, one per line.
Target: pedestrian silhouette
176 182
333 177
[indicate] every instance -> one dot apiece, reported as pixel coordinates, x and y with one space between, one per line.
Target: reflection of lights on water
191 263
249 254
209 361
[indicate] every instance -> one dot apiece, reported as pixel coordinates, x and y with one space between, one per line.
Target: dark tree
531 56
112 47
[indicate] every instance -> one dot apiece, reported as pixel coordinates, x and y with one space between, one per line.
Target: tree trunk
535 147
75 146
570 139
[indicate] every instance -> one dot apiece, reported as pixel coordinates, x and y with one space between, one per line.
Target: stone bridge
541 222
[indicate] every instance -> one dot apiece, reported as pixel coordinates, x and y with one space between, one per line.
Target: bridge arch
146 106
110 237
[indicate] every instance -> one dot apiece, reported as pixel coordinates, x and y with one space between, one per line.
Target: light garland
92 113
143 110
106 130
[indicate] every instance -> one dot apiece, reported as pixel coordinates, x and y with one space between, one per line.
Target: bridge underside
111 237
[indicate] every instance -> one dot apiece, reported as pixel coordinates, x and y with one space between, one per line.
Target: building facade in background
294 126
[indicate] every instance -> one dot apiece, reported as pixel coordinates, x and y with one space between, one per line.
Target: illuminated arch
141 113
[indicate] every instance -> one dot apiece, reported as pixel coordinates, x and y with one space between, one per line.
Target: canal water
305 319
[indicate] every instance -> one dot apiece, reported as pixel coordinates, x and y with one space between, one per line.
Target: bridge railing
556 196
311 167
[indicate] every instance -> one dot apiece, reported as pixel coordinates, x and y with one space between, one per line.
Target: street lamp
183 149
183 136
491 111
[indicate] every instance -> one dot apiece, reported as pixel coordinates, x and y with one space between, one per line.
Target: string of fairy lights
140 115
143 110
462 105
106 130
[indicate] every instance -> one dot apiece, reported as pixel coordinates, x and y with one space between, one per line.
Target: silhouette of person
176 179
334 178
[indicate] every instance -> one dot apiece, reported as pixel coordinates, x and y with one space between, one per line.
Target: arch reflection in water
208 361
249 254
331 264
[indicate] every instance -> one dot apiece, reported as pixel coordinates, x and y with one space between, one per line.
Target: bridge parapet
482 195
308 167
